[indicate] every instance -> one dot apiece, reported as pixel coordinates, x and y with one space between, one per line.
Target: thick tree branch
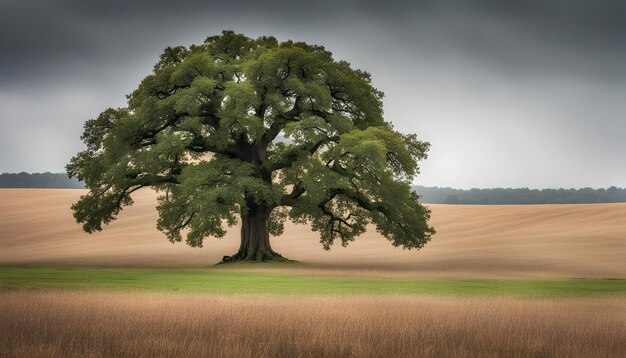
280 121
147 138
334 218
290 156
291 198
360 199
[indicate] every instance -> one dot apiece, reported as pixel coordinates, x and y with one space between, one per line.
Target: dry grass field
97 317
534 241
149 325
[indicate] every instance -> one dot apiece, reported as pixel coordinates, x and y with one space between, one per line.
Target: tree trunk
255 238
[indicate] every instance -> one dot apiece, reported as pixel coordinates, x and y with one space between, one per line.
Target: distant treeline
38 180
430 195
503 196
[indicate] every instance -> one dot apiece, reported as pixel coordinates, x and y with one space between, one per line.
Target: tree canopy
260 131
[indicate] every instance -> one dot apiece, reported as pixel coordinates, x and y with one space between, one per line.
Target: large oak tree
258 131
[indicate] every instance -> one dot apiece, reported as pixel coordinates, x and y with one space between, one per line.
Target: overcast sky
509 93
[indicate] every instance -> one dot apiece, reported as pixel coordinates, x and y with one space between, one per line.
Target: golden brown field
534 241
149 325
516 242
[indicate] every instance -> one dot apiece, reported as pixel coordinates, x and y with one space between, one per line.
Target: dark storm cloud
511 93
36 36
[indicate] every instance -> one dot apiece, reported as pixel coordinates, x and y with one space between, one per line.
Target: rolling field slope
534 241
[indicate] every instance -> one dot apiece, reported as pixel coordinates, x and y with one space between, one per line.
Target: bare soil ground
533 241
81 324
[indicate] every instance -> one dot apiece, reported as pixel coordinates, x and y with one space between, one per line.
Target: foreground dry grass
52 323
534 241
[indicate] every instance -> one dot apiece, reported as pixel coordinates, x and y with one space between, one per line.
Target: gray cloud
510 93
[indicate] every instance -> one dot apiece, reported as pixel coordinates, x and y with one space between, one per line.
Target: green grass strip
211 280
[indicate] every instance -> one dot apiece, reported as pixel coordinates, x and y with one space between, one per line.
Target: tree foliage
38 180
238 123
515 196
